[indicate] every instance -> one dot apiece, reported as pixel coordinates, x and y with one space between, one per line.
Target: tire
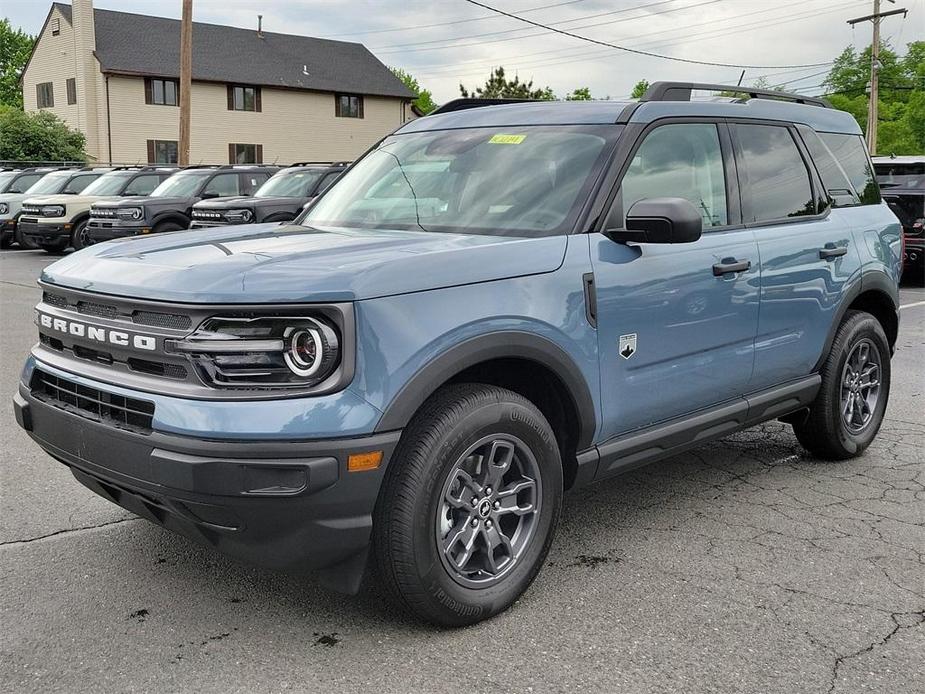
166 226
825 432
80 237
55 246
24 242
412 516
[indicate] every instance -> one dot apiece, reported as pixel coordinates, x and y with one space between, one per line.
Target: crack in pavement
67 531
897 626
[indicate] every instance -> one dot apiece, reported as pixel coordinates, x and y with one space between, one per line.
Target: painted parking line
915 303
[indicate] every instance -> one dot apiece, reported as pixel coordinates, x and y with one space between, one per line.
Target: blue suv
494 305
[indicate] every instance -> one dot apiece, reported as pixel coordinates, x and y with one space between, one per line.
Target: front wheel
848 411
469 505
80 236
54 246
166 226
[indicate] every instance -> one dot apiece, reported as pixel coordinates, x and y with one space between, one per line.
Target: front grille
54 300
157 368
90 308
98 405
174 321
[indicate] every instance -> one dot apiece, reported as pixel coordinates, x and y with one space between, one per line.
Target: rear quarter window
844 167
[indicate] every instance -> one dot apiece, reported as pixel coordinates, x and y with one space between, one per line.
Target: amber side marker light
358 462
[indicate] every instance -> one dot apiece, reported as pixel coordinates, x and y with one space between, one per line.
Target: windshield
510 181
894 175
108 184
180 185
51 184
289 185
5 179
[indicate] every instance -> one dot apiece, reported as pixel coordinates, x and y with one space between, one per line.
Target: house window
45 94
162 152
71 91
55 26
245 154
241 98
162 92
348 106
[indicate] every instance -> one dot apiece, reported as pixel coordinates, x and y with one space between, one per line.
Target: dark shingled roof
138 44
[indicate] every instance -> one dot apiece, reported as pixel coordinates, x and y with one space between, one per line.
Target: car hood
269 263
245 201
137 200
67 199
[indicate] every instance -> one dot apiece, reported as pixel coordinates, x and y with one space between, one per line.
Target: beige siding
292 126
53 61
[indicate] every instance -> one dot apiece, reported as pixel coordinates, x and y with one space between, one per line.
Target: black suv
279 200
169 206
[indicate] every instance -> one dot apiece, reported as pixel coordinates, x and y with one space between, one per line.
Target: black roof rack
681 91
467 103
318 163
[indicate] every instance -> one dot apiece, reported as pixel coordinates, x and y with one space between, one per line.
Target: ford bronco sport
280 199
492 306
169 206
14 188
59 221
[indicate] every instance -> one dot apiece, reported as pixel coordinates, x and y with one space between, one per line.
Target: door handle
728 265
830 252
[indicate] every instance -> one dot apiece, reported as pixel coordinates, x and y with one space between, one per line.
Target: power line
633 50
443 42
446 24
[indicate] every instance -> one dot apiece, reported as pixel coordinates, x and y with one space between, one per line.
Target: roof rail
467 103
681 91
318 163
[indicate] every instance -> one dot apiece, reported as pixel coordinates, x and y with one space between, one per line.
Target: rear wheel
848 411
469 505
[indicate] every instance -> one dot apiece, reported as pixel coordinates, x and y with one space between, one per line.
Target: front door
676 322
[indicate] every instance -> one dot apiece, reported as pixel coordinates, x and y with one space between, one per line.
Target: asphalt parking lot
744 566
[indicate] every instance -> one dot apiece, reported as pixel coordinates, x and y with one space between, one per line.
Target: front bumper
279 504
43 232
99 231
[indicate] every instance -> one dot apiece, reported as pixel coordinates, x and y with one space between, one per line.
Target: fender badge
627 345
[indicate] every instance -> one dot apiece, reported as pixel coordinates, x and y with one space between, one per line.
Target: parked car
169 206
14 185
902 182
35 205
493 305
59 221
280 199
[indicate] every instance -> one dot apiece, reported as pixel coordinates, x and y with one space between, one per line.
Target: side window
849 151
326 182
251 182
682 160
778 181
221 185
142 185
78 183
24 183
838 188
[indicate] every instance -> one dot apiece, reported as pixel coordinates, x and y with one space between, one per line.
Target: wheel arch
168 217
528 364
279 217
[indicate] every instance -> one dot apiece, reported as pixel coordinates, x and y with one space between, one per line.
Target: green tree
15 48
639 89
424 100
580 94
497 86
901 103
40 136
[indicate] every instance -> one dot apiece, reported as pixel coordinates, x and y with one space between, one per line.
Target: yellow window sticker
500 139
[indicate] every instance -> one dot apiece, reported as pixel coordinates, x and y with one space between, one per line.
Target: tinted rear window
851 154
778 179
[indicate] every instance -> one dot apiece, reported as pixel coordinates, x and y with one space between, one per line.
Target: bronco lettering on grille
115 337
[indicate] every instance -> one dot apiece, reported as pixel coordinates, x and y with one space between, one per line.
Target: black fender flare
175 217
870 281
512 344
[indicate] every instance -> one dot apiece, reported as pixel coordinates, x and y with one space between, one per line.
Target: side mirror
660 220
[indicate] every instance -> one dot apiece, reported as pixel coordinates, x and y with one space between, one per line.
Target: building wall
53 61
292 125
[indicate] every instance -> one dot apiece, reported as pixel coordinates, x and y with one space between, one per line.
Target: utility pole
873 101
186 79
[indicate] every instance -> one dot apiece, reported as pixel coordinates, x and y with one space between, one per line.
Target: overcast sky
445 42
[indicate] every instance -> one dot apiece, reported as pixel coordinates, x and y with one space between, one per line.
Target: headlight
283 352
53 211
242 215
134 213
4 208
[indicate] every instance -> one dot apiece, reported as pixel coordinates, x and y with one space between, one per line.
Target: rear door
805 246
676 322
